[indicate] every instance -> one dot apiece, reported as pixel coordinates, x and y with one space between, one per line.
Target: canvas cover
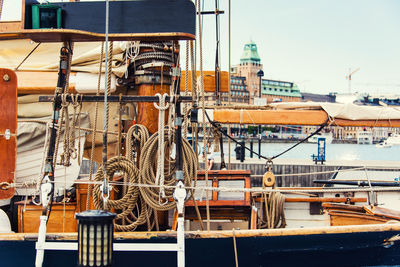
347 111
86 56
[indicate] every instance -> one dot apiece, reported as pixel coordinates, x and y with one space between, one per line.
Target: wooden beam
367 123
292 117
321 199
220 234
277 117
32 82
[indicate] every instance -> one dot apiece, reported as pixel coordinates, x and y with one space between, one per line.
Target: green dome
250 54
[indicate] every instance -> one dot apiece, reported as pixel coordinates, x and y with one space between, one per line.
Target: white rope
238 190
132 51
162 107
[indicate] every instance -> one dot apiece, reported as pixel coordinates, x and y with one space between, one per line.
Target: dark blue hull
339 249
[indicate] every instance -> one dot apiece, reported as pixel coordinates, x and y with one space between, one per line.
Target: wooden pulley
269 179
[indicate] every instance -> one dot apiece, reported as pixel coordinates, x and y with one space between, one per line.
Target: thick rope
129 201
94 128
136 138
65 157
56 91
204 112
273 211
162 107
148 175
186 105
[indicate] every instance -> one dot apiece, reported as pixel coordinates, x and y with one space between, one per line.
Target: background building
272 90
280 91
250 64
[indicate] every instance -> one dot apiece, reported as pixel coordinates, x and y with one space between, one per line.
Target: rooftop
250 53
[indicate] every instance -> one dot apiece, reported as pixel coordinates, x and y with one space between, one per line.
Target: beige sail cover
347 111
46 57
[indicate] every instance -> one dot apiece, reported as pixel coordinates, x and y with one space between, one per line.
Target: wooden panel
35 82
394 214
147 114
214 177
342 207
209 81
29 221
11 26
219 203
8 121
339 218
220 213
81 197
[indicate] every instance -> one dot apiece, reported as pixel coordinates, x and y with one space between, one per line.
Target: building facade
280 91
272 90
250 64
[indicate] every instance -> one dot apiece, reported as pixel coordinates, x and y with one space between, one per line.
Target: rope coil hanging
148 169
129 201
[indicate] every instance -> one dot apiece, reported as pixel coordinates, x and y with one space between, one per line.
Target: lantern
95 238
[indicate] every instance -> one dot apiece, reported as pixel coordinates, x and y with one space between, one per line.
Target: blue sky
315 42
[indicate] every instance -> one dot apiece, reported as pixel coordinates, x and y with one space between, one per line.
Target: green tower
250 53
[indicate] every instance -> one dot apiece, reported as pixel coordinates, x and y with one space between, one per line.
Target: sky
313 43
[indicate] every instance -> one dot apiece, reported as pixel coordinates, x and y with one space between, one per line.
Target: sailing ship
166 210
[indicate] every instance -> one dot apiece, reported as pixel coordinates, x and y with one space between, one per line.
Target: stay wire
261 156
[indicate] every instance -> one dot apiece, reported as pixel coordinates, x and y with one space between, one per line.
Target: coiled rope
129 201
148 169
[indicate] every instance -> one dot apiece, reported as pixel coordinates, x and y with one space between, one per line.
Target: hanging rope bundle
129 201
217 138
273 211
136 138
148 164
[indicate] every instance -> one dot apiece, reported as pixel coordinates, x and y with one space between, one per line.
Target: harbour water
337 152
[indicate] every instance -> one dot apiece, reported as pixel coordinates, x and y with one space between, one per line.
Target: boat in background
383 144
364 138
393 139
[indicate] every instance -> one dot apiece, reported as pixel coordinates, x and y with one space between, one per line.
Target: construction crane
349 77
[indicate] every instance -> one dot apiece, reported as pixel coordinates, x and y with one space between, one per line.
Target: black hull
338 249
